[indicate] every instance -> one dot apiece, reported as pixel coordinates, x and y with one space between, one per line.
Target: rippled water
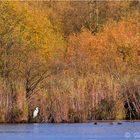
85 131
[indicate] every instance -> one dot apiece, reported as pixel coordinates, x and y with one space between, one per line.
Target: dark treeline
76 61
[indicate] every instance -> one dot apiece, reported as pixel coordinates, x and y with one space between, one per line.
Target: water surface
84 131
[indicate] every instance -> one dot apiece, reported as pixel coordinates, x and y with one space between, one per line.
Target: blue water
85 131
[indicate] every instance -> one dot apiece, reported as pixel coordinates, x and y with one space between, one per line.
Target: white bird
35 113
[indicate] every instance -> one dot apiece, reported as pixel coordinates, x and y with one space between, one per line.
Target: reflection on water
85 131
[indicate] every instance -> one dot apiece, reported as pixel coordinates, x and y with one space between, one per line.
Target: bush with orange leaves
109 58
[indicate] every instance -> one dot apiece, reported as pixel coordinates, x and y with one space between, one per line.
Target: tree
29 45
32 43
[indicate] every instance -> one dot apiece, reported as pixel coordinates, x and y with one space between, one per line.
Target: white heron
36 111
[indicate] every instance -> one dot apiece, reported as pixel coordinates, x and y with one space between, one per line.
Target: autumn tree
28 46
75 60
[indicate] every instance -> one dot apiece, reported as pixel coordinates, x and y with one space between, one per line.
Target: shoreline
93 121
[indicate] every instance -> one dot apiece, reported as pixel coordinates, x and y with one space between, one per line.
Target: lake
79 131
